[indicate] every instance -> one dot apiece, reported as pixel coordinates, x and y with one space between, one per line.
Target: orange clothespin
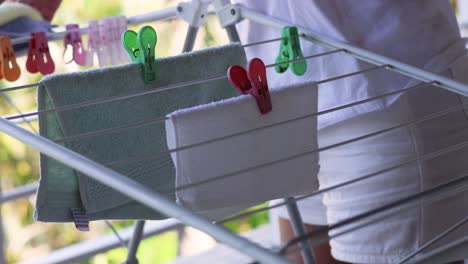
9 68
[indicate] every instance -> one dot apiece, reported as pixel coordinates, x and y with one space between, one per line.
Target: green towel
62 188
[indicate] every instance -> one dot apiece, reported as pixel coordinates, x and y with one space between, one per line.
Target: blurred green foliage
247 223
157 249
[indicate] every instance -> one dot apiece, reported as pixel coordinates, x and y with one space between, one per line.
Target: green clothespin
129 42
290 49
141 49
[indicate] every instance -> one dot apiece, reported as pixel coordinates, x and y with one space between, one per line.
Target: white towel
232 154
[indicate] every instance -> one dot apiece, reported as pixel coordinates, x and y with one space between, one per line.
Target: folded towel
229 155
62 188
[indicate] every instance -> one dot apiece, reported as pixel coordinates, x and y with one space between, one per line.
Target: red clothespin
8 66
252 81
39 59
73 38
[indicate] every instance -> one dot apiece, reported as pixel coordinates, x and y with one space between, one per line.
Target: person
18 18
46 8
422 33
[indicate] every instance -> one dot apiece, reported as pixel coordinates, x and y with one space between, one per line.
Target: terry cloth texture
140 153
295 134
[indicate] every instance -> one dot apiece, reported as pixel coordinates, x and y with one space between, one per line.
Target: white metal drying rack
194 13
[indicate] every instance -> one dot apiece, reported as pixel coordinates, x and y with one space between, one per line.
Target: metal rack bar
19 192
135 242
87 249
116 233
121 183
137 191
456 249
156 90
30 189
162 14
2 238
20 87
190 38
352 181
230 30
35 85
406 201
322 235
285 159
299 230
364 55
163 119
434 240
361 54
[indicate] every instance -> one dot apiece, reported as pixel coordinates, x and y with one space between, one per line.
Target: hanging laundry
140 153
235 158
39 59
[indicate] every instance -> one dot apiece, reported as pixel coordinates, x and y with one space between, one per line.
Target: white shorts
400 233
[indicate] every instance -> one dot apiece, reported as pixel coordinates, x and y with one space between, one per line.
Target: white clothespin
105 39
114 41
93 42
121 28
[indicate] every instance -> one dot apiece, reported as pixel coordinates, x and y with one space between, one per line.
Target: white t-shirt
409 31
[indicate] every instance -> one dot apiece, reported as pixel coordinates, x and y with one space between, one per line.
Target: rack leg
230 30
2 240
190 39
232 33
135 242
298 228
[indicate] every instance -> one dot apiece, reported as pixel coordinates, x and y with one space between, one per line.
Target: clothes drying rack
195 12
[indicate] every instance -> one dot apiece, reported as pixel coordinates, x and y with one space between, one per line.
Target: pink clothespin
252 81
93 42
39 59
73 38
